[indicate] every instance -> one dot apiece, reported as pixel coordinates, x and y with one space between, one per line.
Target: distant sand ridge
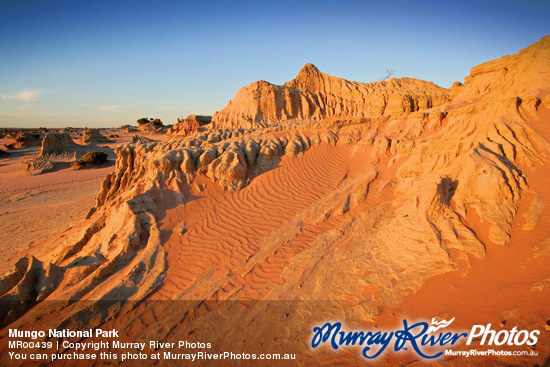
321 189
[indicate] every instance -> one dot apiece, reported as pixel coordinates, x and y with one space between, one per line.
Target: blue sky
107 63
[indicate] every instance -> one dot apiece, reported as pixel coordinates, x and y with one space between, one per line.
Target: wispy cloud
167 108
114 107
25 96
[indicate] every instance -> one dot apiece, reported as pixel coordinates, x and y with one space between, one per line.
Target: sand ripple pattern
231 228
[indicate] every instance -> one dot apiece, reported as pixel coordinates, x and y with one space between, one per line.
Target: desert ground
320 199
37 206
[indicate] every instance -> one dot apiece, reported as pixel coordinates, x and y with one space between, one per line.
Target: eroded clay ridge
358 210
314 95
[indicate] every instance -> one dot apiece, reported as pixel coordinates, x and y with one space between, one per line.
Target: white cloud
24 95
113 107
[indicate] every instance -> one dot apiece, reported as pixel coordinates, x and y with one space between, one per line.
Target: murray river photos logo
429 341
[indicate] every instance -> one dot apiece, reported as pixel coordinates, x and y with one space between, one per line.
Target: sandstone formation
58 144
58 147
315 95
92 136
189 125
39 165
346 218
151 125
61 144
141 139
25 139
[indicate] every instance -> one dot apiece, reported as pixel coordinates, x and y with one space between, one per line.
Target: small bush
94 157
149 121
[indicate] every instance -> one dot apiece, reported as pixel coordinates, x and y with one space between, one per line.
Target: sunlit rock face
314 95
